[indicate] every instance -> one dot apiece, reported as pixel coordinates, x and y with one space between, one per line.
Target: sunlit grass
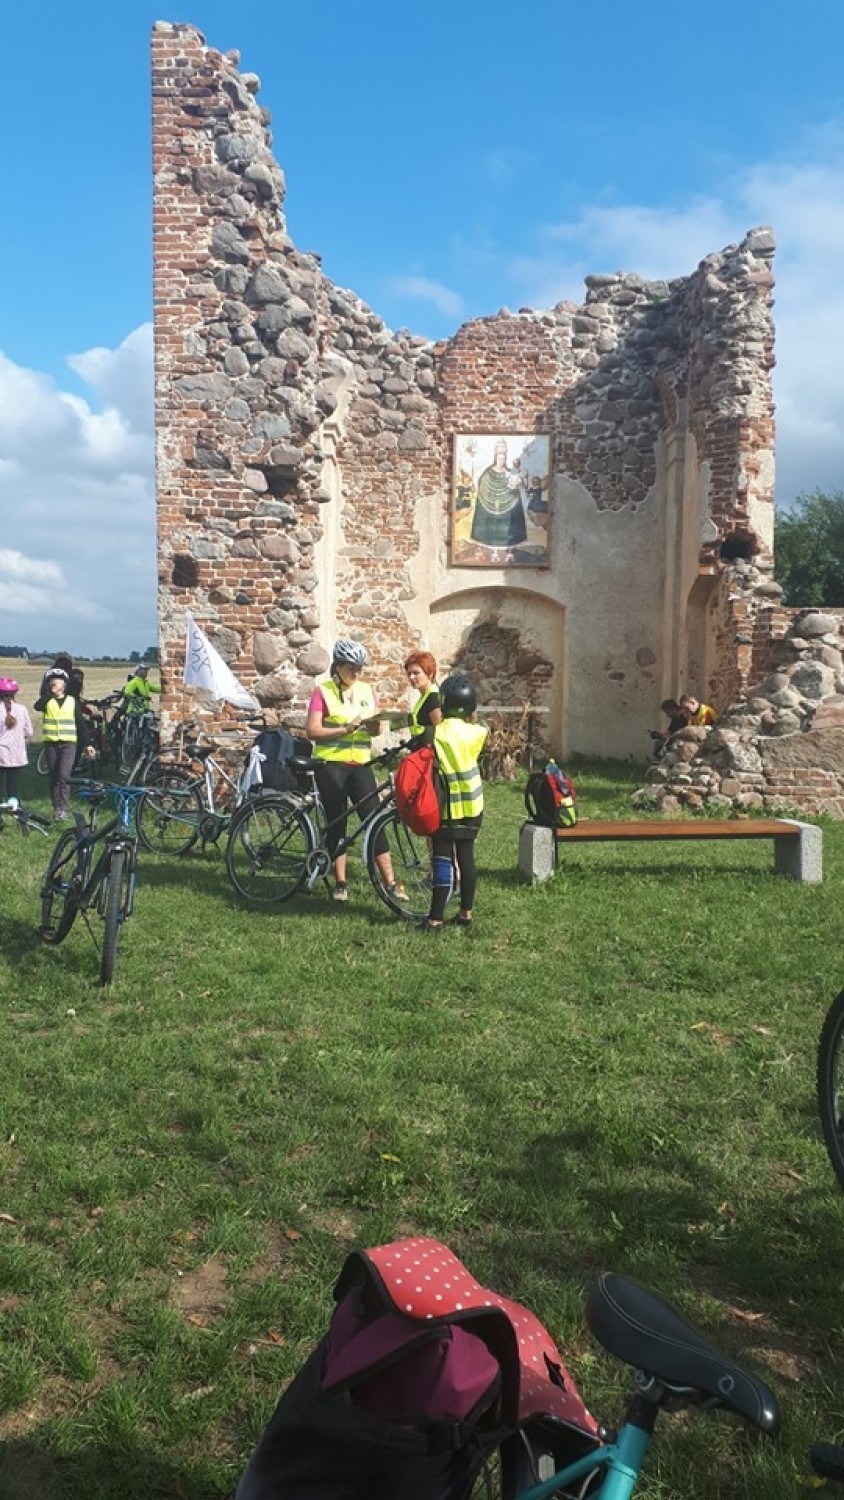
613 1070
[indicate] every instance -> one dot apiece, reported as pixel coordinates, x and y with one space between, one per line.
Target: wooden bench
798 847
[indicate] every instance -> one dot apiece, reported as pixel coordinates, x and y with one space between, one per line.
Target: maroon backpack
422 1375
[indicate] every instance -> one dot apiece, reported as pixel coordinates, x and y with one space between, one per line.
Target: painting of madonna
500 509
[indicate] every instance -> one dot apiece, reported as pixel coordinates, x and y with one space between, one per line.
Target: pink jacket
13 741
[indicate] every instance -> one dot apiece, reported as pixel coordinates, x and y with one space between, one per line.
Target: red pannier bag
422 1376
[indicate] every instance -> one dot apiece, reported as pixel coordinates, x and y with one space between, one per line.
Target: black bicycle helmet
458 697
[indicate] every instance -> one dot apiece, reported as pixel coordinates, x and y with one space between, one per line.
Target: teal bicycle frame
622 1459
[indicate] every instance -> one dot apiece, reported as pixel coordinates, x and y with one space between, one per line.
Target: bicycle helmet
351 652
8 687
458 697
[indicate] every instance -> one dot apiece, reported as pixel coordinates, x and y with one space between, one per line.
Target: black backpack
400 1402
277 747
550 797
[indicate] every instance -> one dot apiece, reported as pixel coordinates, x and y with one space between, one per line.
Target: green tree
809 550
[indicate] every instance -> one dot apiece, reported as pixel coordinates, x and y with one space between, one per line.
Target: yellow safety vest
59 722
457 746
413 716
355 748
703 714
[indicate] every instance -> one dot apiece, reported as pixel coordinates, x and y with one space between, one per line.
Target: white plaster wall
597 612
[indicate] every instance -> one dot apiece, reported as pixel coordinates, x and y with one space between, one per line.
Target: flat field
100 679
615 1070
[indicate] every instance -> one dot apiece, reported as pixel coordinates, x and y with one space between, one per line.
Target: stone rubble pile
783 747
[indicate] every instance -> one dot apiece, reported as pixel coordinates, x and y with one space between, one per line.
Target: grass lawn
615 1070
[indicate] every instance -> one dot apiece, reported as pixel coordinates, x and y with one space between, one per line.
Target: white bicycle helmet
350 652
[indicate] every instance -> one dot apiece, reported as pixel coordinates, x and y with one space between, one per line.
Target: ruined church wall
304 451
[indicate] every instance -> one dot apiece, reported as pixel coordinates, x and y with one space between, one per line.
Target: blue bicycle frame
622 1460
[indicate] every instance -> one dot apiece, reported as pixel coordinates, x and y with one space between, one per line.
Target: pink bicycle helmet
8 687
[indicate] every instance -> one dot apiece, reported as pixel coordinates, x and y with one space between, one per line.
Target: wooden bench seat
797 846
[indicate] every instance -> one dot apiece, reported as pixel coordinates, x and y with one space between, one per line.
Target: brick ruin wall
304 454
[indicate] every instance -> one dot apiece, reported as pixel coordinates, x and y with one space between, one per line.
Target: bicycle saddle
304 763
199 752
636 1326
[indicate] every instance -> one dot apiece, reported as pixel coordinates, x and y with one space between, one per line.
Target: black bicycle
278 845
831 1084
25 819
75 882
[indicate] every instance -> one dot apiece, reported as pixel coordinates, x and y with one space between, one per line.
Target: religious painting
501 496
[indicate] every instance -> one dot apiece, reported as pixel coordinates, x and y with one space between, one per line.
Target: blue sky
446 160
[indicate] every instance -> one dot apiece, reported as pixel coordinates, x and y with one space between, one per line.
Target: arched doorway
512 644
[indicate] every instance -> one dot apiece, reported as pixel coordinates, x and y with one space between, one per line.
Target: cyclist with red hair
426 712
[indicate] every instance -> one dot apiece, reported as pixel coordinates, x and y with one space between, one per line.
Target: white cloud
77 569
14 566
802 196
423 288
502 165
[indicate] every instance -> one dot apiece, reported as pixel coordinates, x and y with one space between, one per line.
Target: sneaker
430 927
60 817
460 921
397 891
340 892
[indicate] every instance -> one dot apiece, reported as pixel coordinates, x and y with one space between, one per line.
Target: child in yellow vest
458 742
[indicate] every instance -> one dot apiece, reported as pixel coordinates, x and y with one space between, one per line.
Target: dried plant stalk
507 745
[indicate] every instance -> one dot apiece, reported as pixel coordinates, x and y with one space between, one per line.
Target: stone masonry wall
304 452
781 747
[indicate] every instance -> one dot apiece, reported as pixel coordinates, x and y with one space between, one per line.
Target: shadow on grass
678 1234
32 1469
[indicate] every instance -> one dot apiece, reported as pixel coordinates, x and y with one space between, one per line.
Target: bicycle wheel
41 764
411 855
831 1084
130 744
268 848
112 914
60 890
170 813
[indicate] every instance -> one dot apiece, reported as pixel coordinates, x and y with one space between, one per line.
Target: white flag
205 668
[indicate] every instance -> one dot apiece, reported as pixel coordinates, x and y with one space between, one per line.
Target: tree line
809 551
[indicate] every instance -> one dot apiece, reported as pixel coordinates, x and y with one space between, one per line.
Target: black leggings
339 784
463 851
9 781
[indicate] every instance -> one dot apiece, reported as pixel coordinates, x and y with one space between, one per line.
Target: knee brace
442 870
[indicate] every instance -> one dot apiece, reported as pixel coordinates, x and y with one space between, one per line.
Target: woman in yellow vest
421 670
342 716
458 742
60 734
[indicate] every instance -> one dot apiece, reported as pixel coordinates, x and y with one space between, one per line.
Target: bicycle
25 819
676 1368
153 756
73 883
139 739
184 805
278 845
830 1084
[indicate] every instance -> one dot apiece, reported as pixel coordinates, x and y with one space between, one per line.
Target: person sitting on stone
697 713
677 719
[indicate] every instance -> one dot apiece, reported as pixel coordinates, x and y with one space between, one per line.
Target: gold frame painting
501 500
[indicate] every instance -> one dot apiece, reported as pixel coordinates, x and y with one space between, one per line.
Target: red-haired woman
426 712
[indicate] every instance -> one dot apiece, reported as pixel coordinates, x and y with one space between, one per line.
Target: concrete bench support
801 857
798 847
537 852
